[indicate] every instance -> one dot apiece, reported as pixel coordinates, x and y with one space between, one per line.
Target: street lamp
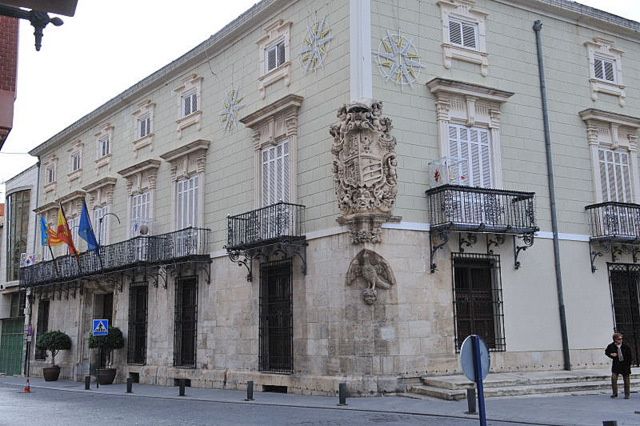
38 20
100 223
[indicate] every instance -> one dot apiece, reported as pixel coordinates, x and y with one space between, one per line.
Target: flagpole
97 250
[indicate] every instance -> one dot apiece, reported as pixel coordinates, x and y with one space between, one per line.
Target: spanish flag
62 234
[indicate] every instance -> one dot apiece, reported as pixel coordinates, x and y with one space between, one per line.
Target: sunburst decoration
398 59
229 115
315 46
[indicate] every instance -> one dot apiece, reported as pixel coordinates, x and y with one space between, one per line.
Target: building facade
344 194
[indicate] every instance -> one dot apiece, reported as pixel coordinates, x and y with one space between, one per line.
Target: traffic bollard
87 382
249 391
471 401
181 385
129 384
342 394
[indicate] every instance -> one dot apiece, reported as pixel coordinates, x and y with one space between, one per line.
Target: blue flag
44 232
85 231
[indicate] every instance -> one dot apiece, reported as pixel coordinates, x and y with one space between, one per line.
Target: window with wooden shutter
615 175
139 211
275 173
604 69
275 56
473 145
187 202
463 33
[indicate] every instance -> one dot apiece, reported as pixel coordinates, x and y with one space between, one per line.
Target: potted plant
105 374
54 342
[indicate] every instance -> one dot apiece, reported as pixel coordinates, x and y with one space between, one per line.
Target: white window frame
187 201
101 224
144 112
271 125
104 146
141 178
189 93
75 161
600 50
143 126
463 12
614 133
275 171
472 106
464 35
473 144
276 33
279 56
50 173
103 138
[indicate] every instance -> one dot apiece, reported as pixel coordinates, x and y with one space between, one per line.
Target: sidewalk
561 409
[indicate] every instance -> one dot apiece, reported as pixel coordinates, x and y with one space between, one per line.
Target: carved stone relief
364 168
370 268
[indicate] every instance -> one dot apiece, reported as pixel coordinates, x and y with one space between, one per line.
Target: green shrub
54 342
113 340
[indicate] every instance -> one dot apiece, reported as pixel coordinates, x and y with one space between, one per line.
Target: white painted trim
360 74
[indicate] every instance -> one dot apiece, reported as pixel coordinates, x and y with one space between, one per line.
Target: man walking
620 353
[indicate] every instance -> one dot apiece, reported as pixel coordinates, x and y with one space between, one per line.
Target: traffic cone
27 388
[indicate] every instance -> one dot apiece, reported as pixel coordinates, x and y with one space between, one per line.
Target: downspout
537 26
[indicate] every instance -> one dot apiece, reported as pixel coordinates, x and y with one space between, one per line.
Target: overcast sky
108 47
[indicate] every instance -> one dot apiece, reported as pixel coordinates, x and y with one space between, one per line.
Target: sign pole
475 341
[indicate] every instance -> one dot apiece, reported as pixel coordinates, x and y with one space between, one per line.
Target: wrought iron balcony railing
277 222
185 244
614 221
468 209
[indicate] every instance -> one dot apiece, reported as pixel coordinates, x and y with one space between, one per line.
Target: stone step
515 390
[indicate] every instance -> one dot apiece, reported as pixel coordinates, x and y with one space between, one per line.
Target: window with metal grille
477 299
189 103
275 173
103 146
462 33
615 175
186 319
17 225
187 202
42 325
137 338
144 125
473 145
276 317
75 162
604 69
275 56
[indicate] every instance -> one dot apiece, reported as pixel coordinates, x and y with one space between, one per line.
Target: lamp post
100 223
38 20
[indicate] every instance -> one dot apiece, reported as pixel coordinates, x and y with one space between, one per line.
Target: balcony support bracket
527 239
497 241
593 254
443 236
469 241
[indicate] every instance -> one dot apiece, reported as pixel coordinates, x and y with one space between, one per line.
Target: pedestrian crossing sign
100 327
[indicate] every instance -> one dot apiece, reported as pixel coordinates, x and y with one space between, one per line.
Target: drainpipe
537 27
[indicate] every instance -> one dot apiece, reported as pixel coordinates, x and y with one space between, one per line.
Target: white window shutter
455 32
469 35
473 145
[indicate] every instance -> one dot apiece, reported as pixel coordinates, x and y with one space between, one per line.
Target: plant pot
51 374
105 376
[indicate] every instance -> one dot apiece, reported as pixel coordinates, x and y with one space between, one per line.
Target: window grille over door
186 318
624 281
137 338
473 145
478 299
276 317
275 173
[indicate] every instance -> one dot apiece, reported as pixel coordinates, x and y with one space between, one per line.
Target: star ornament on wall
398 59
229 114
315 46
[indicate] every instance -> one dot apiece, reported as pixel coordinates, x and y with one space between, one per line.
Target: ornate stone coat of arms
364 167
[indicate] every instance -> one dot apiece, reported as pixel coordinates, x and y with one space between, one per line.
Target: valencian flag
62 234
85 231
47 236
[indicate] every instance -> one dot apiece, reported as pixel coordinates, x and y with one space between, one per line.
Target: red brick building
8 73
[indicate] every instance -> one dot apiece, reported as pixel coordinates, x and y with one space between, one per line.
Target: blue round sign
466 359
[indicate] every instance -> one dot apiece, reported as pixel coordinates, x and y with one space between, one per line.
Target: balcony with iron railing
615 228
189 244
469 209
260 233
472 210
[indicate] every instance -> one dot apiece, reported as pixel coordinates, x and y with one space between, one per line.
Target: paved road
60 408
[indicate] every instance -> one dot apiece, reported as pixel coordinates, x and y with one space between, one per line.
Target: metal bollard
129 384
87 382
471 400
342 394
610 423
181 385
249 391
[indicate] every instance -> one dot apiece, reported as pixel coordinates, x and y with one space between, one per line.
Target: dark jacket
618 367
